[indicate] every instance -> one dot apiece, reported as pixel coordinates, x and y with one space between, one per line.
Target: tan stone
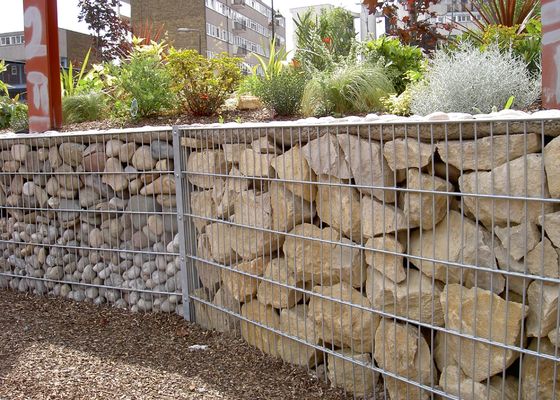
520 177
390 265
232 151
455 382
126 151
415 298
554 336
277 294
253 209
114 175
247 102
407 153
220 236
201 309
481 313
288 210
142 159
368 166
341 324
518 239
156 225
539 376
442 357
261 338
402 350
351 377
506 263
551 225
165 184
66 178
294 321
11 166
220 320
225 192
166 201
457 239
542 298
292 166
265 145
423 209
52 186
255 164
488 152
242 280
339 207
543 260
208 274
325 157
250 243
381 219
552 167
321 262
206 162
71 153
54 157
202 205
113 147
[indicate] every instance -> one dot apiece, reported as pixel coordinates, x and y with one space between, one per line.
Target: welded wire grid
402 261
91 217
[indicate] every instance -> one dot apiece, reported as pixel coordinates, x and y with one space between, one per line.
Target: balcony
237 3
239 26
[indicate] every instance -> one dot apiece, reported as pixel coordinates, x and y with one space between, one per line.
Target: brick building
237 27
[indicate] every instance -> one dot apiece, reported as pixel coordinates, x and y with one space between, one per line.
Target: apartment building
238 27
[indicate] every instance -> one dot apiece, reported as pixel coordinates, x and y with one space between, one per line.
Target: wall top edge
93 132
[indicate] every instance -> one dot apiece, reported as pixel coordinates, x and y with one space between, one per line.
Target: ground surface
57 349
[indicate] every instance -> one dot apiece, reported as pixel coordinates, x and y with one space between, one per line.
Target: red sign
42 65
550 15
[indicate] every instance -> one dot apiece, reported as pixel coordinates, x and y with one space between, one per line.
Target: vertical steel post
42 65
550 15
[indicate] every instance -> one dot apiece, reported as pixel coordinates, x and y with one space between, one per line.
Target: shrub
13 114
282 92
350 88
397 59
203 84
471 79
19 120
83 107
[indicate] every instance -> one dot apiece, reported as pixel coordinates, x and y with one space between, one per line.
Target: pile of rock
93 218
325 240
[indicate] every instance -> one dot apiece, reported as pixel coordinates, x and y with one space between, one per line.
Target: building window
14 70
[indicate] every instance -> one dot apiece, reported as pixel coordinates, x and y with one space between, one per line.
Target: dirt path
57 349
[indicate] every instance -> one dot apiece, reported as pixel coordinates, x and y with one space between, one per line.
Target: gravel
58 349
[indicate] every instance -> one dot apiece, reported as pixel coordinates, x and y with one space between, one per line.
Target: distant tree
110 30
415 26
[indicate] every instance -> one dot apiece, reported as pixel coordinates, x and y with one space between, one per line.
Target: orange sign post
42 65
550 15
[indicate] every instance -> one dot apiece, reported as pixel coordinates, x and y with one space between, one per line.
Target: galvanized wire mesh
402 260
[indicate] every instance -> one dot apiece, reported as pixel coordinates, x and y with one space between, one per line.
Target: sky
11 18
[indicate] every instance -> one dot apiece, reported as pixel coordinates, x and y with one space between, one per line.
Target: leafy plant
83 82
83 107
502 12
275 63
397 58
350 88
400 104
282 92
3 86
203 84
13 113
470 78
248 85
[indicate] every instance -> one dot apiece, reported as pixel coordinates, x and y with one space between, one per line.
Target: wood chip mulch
57 349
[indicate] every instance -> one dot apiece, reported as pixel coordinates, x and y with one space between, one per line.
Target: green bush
83 107
471 80
203 84
283 91
13 114
397 59
19 120
350 88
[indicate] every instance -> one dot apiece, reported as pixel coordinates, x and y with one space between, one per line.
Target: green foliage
400 104
203 84
397 58
73 84
282 92
248 85
503 12
13 114
350 88
3 86
83 107
275 63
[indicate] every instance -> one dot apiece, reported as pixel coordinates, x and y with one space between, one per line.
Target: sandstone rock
206 162
250 243
341 324
253 209
551 225
353 378
368 166
232 151
165 184
140 240
54 157
407 153
402 350
141 207
52 186
161 150
224 193
539 376
126 151
255 164
507 263
423 209
71 153
88 197
325 157
166 201
94 158
381 219
294 321
156 225
208 274
221 239
164 166
292 166
247 102
11 166
202 205
19 152
241 281
320 262
543 260
416 298
114 176
339 207
28 189
554 336
96 238
457 240
113 147
32 162
41 196
142 159
551 153
288 210
219 320
261 338
481 313
518 239
265 145
71 210
67 179
520 177
390 265
455 382
542 298
277 294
